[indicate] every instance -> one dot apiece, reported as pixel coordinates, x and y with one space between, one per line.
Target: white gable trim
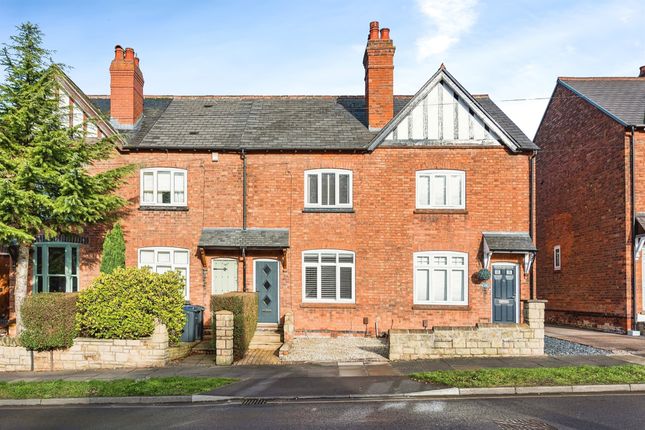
73 91
442 75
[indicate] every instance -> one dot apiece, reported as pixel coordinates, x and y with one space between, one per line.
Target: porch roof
251 238
508 242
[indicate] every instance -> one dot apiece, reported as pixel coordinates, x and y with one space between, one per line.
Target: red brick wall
639 204
582 205
384 230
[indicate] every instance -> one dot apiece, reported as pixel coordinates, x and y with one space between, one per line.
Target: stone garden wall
483 340
87 353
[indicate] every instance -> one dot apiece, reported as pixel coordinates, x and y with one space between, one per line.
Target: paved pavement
598 339
624 412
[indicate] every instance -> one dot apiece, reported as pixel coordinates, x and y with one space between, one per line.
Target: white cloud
449 20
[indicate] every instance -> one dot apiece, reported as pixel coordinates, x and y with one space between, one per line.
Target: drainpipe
531 218
633 228
244 222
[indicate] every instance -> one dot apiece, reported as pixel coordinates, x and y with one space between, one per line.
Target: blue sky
510 49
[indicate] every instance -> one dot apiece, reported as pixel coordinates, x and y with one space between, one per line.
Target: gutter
244 221
633 228
532 293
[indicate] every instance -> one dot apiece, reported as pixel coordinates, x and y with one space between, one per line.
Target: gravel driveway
554 346
339 349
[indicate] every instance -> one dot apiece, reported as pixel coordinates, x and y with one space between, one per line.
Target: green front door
266 286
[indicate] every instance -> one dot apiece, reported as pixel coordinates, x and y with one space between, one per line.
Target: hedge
48 320
125 304
113 255
245 317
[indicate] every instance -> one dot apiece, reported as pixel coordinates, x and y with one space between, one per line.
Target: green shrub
245 317
49 321
125 304
113 250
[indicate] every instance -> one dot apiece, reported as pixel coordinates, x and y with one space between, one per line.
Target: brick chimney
126 89
642 72
379 76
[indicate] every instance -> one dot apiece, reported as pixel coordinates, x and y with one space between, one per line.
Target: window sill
441 307
328 305
164 208
441 211
329 210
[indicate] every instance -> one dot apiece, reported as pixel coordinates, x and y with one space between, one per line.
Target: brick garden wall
582 205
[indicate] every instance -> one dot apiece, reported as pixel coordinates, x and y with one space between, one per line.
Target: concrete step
204 347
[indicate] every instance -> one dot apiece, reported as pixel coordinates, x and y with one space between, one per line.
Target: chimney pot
126 89
373 30
379 76
642 72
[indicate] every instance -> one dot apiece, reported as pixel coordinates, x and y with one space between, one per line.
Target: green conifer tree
113 250
45 185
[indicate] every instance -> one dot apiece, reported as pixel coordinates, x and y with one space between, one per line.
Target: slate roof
266 122
236 238
509 241
622 98
504 121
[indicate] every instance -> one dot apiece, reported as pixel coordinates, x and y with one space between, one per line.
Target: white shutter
311 282
346 283
328 282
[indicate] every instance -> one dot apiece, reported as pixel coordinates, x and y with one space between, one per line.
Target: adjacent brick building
590 201
354 213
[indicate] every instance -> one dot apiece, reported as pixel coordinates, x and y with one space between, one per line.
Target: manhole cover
524 424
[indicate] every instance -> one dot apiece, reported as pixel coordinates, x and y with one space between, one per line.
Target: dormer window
163 187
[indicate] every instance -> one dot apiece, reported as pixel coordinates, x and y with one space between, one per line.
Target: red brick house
353 213
591 201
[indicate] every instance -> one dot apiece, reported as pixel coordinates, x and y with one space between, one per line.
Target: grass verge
172 386
579 375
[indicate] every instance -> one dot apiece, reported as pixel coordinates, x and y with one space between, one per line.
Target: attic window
193 133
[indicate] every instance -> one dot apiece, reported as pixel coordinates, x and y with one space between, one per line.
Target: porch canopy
251 238
508 243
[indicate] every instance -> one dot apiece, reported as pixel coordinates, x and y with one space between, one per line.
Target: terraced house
353 213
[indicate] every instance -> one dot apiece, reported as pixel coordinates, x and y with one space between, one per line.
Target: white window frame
318 265
155 171
337 173
173 266
448 267
433 173
557 258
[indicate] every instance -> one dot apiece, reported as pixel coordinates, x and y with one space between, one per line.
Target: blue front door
266 285
504 294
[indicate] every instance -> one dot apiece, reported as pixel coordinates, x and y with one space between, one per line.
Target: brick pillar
534 317
223 338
